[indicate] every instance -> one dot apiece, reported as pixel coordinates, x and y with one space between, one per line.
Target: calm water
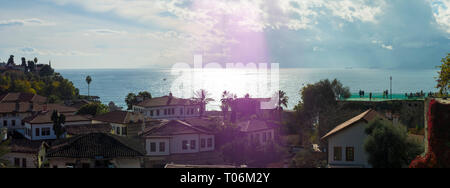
114 85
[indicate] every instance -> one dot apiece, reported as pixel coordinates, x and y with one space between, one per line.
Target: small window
185 144
152 147
23 123
165 111
181 111
193 144
157 112
350 154
13 123
162 147
270 136
210 142
264 137
118 130
17 162
151 112
124 131
202 143
337 151
45 132
24 163
38 132
5 123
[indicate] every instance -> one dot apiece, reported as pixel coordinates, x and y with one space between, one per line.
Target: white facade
169 112
179 144
21 160
45 131
351 138
12 121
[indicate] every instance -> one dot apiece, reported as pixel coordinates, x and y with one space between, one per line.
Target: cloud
46 52
105 32
441 10
25 22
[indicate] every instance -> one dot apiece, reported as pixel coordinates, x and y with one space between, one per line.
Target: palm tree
88 81
201 98
58 121
282 101
226 102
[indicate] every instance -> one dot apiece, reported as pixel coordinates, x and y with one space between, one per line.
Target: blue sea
115 84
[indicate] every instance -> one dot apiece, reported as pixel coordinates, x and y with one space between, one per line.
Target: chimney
170 98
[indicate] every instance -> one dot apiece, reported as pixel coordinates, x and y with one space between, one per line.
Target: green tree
4 148
131 100
282 101
444 76
201 97
88 81
11 60
389 146
226 100
46 70
58 121
145 95
93 109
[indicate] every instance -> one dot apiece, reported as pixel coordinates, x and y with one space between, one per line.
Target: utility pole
391 87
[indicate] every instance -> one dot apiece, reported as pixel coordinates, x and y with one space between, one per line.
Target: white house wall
353 136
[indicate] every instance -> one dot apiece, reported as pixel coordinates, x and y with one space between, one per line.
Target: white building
123 123
168 107
177 137
40 126
258 132
345 142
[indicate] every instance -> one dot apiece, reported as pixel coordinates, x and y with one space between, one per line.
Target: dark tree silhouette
58 121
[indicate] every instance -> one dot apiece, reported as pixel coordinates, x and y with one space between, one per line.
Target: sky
84 34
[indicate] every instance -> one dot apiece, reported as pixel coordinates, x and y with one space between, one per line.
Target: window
337 153
173 111
185 144
151 112
181 111
24 163
118 130
210 142
152 147
349 153
124 131
193 144
162 147
38 132
165 111
13 123
157 112
270 135
202 143
257 139
22 122
264 137
192 111
45 132
16 162
5 123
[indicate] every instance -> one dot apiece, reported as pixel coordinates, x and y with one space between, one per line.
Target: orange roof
367 116
46 117
22 107
22 97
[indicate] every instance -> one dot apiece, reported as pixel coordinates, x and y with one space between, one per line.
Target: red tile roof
173 127
22 97
22 107
165 101
96 145
366 116
46 117
120 117
88 128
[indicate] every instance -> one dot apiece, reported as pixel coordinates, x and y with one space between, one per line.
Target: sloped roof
367 116
255 125
173 127
95 145
22 97
88 128
121 117
165 101
21 107
25 146
46 117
